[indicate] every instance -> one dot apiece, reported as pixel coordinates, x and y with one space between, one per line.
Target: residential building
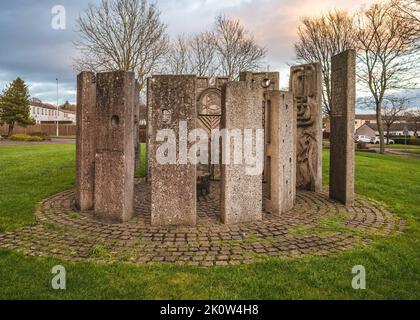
397 129
47 113
361 119
366 125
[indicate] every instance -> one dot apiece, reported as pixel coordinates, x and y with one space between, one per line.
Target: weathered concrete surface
114 173
136 127
343 93
172 99
221 81
209 111
241 193
306 85
267 80
280 152
149 113
85 143
202 83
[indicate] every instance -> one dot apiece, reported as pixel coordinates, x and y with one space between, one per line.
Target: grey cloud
31 49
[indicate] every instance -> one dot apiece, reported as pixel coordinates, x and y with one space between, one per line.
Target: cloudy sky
32 49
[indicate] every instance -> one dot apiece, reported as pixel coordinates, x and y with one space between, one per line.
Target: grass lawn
30 173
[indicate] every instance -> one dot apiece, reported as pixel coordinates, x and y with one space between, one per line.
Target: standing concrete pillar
343 94
149 137
241 191
85 143
220 81
114 172
136 127
280 145
306 85
269 81
172 115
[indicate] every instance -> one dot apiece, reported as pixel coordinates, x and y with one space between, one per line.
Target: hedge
24 137
410 141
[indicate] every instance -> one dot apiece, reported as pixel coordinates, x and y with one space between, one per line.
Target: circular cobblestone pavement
315 227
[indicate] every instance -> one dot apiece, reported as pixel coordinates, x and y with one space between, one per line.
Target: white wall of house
42 114
398 133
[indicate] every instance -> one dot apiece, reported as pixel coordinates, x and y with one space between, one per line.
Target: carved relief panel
305 83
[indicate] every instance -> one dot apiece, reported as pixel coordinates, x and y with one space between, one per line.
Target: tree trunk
387 134
10 132
380 128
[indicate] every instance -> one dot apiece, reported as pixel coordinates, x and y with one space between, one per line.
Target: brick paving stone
209 243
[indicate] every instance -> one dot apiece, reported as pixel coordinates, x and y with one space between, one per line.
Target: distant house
361 119
47 113
366 125
365 130
397 129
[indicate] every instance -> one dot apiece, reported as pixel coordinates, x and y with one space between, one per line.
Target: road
399 152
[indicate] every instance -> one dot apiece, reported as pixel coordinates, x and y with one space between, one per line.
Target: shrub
25 137
42 135
362 145
410 141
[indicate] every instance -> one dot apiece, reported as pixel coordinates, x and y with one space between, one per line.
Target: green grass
392 264
330 226
142 171
29 174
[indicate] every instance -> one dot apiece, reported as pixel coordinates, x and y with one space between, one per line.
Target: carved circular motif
210 103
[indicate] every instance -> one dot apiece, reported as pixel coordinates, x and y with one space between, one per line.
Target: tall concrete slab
267 80
241 193
202 83
136 131
149 113
85 143
114 169
220 82
343 94
306 85
172 99
280 142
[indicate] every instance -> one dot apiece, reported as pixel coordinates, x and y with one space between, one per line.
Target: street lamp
57 132
406 133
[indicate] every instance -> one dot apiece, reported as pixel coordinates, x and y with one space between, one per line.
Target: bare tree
410 8
393 110
386 42
236 48
227 50
194 54
121 35
178 59
203 54
320 38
